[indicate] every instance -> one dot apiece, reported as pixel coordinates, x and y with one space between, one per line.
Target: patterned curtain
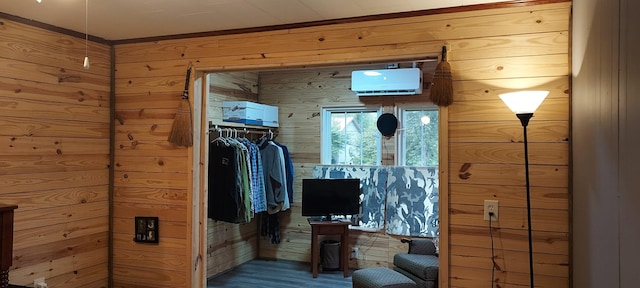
403 200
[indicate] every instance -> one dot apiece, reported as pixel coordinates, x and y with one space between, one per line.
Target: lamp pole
523 104
524 119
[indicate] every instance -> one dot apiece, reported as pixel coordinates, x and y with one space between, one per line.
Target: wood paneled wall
300 96
151 177
54 155
492 51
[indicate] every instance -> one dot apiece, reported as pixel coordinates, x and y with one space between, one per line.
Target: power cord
493 258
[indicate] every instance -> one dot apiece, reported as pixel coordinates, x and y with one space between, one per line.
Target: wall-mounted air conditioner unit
401 81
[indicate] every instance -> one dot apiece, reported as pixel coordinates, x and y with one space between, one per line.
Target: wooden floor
278 274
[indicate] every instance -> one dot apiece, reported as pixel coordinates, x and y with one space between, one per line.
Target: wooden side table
329 228
6 242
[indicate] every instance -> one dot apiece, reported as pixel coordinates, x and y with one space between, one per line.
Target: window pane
420 137
353 140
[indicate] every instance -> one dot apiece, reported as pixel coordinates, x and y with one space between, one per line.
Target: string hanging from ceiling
86 63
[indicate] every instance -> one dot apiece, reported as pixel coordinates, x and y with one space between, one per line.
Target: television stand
321 218
329 228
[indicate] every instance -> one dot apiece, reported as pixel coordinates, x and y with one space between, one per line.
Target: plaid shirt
259 203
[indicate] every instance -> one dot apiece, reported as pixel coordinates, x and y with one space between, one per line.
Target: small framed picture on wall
146 229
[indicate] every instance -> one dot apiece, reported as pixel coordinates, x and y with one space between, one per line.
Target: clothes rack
249 177
232 131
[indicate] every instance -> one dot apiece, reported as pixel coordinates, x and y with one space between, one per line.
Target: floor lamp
524 103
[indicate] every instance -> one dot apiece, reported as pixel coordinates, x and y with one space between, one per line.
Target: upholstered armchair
420 263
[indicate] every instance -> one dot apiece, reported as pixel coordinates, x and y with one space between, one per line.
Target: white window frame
401 142
325 130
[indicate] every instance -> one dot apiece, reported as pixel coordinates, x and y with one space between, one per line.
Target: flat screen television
327 197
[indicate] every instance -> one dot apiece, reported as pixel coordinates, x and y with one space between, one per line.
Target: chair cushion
422 246
380 277
423 266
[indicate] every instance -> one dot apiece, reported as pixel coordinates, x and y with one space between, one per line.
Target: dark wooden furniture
329 228
6 242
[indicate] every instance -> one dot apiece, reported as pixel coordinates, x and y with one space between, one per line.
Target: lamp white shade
524 101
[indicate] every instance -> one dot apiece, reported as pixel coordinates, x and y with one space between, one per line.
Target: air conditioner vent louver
403 81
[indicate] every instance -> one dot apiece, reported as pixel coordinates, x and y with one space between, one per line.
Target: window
350 136
418 145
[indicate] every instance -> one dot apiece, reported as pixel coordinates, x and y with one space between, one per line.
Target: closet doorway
300 95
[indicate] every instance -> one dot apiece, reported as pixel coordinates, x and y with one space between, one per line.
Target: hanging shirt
288 165
273 177
259 203
286 204
224 194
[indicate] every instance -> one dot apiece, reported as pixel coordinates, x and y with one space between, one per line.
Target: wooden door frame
198 222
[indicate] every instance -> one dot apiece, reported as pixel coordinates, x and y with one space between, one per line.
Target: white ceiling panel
334 9
278 9
127 19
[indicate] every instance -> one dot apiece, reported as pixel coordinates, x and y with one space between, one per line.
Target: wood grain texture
54 151
49 216
165 212
503 132
553 109
512 153
56 161
493 51
511 218
52 180
59 232
510 196
85 277
28 90
77 78
50 147
140 276
24 126
545 264
60 266
149 100
152 195
56 197
152 164
34 255
169 245
474 277
26 43
477 23
17 107
173 229
509 239
489 89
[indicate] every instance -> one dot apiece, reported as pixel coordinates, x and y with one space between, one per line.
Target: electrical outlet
491 206
354 253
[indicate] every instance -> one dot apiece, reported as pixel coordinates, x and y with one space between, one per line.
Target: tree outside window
419 146
353 136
